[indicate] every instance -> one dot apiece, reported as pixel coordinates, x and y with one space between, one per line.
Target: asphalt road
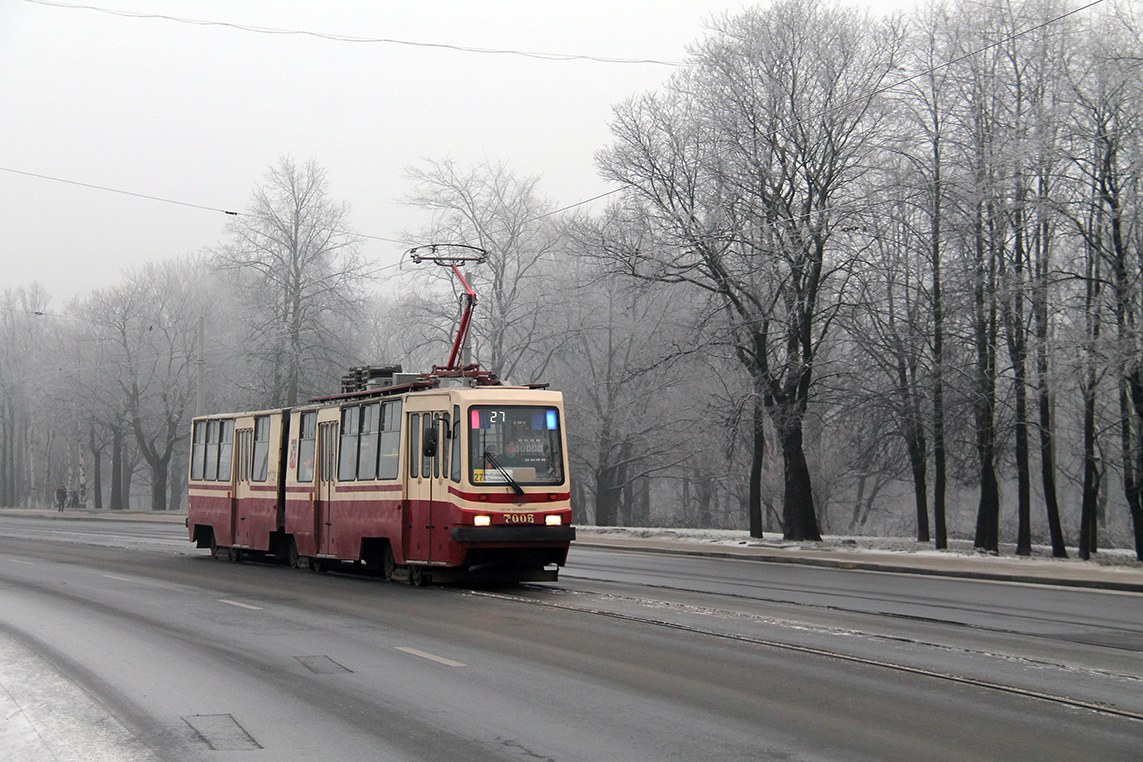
119 641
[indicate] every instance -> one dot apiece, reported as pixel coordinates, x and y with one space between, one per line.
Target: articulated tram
435 477
427 482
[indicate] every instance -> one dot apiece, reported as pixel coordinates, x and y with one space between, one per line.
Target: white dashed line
121 579
240 605
431 657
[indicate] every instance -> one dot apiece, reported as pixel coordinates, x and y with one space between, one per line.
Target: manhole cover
222 732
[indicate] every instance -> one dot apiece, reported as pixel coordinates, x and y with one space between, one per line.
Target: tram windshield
514 444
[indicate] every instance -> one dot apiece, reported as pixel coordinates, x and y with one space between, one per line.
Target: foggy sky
197 113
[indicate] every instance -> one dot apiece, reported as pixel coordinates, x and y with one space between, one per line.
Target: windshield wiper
512 482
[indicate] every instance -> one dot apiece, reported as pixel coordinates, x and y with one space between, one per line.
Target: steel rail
1092 706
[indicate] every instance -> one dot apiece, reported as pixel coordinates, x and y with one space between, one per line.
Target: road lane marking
430 657
21 561
121 579
241 605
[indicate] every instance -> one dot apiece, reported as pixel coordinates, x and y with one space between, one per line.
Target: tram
435 477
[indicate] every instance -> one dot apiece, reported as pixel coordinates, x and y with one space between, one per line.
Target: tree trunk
1018 353
96 472
579 501
917 460
757 457
159 486
914 444
988 510
1091 476
607 492
858 504
7 455
606 499
177 489
1131 379
799 517
705 485
1093 321
939 466
1023 468
128 477
1048 473
116 468
1040 332
1134 498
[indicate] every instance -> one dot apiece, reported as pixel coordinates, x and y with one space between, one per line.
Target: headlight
553 520
481 521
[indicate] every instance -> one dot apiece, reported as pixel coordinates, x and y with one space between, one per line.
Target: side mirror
430 448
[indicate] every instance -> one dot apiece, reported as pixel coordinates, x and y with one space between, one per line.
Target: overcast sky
198 113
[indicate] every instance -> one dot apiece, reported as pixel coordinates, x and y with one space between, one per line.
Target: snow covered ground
854 544
46 717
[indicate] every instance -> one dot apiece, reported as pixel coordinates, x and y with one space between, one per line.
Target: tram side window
261 465
225 450
455 475
390 441
307 436
414 445
444 447
347 459
427 464
198 451
367 447
242 450
210 472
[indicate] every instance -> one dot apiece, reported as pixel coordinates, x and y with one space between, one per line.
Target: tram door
326 471
426 486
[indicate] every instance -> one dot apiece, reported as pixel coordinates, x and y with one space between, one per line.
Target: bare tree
744 165
24 330
891 322
148 329
622 378
299 270
1108 216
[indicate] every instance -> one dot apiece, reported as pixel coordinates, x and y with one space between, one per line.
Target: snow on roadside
859 544
45 717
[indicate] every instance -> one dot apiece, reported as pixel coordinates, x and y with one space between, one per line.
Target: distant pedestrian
61 497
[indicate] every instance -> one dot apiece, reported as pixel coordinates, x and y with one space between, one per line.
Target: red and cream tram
435 477
413 480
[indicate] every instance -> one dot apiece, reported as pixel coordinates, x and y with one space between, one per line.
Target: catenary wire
118 190
375 40
880 91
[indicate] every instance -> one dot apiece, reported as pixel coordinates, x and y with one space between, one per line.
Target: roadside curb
1043 577
169 517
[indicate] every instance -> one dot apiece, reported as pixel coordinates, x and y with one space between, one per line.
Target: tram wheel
417 576
234 555
318 565
292 555
388 563
215 550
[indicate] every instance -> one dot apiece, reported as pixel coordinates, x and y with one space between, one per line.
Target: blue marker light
552 420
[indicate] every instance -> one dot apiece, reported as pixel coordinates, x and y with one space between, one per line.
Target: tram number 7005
519 518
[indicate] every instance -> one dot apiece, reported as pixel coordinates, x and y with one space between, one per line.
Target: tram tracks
916 618
948 622
1095 706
